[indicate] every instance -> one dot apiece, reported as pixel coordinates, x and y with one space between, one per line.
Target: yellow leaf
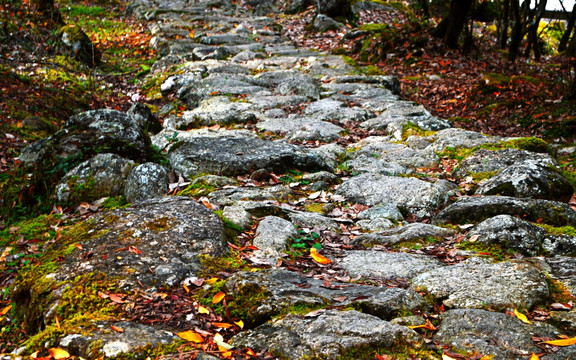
191 34
521 316
219 340
561 342
191 336
534 357
218 297
240 323
58 353
203 310
34 355
211 281
186 287
222 325
446 357
319 258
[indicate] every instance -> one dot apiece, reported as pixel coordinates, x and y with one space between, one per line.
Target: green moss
231 230
564 230
114 202
412 129
483 175
558 292
197 188
497 252
316 207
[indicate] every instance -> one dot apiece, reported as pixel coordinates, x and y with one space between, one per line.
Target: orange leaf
185 287
218 297
115 298
57 322
191 34
191 336
319 258
116 328
5 310
561 342
534 357
58 353
250 352
521 316
222 325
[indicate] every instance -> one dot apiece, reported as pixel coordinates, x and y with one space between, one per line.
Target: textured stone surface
409 194
476 209
233 155
387 266
529 179
145 182
103 175
483 284
472 331
272 236
329 335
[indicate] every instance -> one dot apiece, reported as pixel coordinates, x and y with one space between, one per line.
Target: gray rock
387 266
510 233
325 176
272 236
215 110
87 134
299 85
409 233
302 128
555 245
383 150
324 23
269 101
145 182
144 118
134 340
231 155
330 153
275 290
529 179
372 164
456 138
226 197
402 113
333 110
471 331
103 175
334 8
411 195
78 45
331 335
481 284
386 211
483 161
563 268
476 209
154 243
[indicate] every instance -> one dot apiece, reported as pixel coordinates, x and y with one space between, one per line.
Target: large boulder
411 195
529 179
152 244
146 181
236 155
331 335
78 45
479 208
103 175
477 284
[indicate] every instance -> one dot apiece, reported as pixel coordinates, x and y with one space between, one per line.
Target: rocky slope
305 150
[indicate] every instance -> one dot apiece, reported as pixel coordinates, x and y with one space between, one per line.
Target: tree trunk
516 36
505 24
569 28
533 23
455 21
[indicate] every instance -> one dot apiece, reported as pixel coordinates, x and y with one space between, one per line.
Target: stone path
260 107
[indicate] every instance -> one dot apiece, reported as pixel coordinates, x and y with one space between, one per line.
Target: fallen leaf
446 357
58 353
522 317
57 322
534 357
473 238
222 325
250 352
240 324
560 306
319 258
561 342
203 310
428 325
116 328
191 336
115 298
5 310
34 355
218 297
219 340
185 287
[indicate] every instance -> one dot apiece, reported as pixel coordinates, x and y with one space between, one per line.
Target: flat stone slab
329 335
476 284
275 290
473 331
412 195
387 266
234 155
476 209
409 233
302 128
